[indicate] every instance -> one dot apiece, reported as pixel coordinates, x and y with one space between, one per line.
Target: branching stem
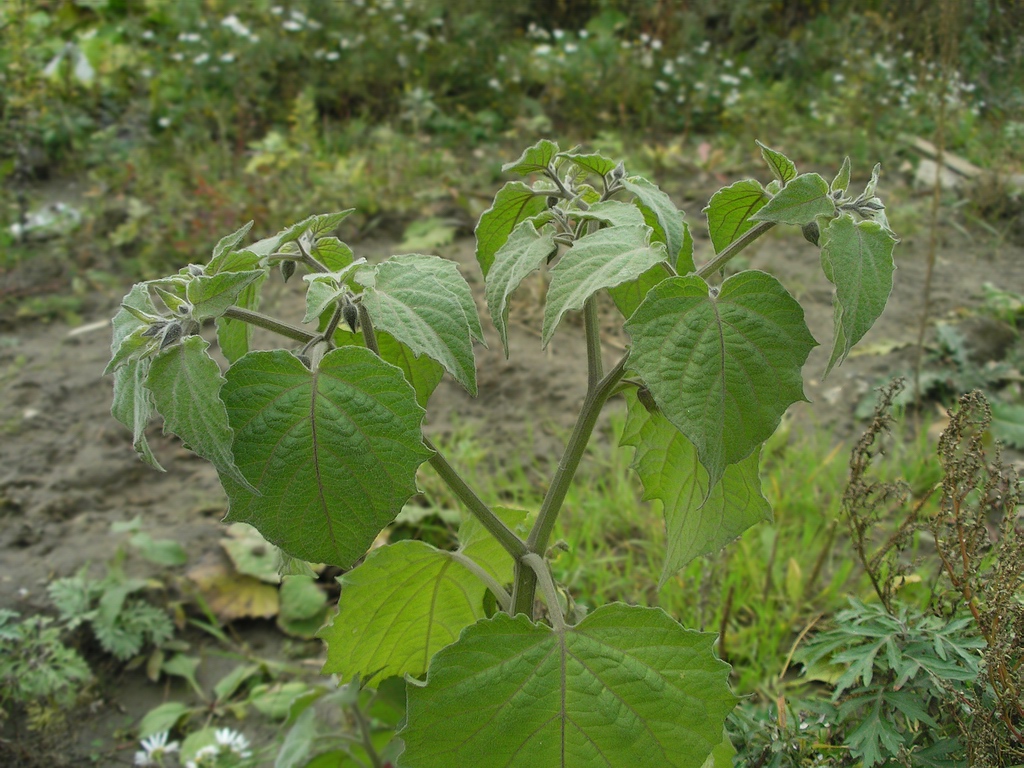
542 574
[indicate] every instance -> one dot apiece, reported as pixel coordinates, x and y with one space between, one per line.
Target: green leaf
1008 424
698 520
627 686
875 739
857 258
333 452
722 755
230 242
300 741
604 259
535 159
800 202
162 718
211 295
186 383
422 372
723 368
133 406
424 302
235 336
303 607
612 212
629 296
476 543
523 252
730 209
313 227
332 253
232 261
599 165
782 167
320 296
398 608
127 324
514 202
842 180
669 218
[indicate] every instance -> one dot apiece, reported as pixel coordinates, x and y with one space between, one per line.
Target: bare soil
68 470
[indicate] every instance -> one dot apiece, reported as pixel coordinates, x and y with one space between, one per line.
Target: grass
761 592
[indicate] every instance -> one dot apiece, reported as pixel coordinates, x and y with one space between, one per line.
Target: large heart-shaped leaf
723 366
857 258
698 520
604 259
408 600
626 687
333 452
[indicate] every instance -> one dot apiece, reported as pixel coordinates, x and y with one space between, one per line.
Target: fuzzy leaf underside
800 202
723 368
429 307
698 520
535 159
514 202
669 218
857 259
132 405
730 209
626 687
612 213
186 383
333 452
599 165
782 167
524 251
211 295
604 259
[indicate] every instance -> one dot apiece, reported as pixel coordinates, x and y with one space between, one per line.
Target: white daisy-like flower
154 748
207 756
234 741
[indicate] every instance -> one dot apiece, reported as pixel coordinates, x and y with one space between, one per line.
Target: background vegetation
134 133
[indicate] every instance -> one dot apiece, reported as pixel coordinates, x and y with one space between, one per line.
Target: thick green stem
369 337
260 320
734 247
500 595
526 580
505 536
595 362
542 573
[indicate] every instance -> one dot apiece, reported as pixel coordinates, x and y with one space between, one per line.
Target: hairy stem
595 363
542 574
266 322
504 598
526 579
367 740
734 247
505 536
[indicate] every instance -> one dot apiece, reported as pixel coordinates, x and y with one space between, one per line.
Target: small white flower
570 48
154 748
234 741
277 10
838 77
332 56
542 50
164 122
201 59
148 34
494 83
291 25
227 58
558 33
